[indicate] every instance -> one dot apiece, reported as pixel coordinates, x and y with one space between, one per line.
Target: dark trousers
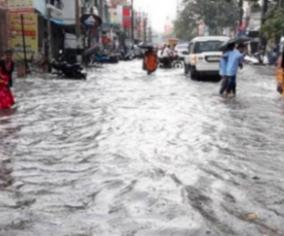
232 84
224 85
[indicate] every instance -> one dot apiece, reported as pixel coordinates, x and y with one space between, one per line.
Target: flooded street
125 154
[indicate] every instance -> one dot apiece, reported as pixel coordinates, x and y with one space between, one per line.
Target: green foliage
217 15
273 27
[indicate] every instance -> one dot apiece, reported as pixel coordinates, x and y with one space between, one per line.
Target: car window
190 48
208 46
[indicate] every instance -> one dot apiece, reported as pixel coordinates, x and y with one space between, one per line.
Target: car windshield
208 46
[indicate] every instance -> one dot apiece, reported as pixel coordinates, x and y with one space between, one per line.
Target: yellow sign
30 33
20 4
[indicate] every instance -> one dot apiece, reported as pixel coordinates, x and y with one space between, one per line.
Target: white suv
204 56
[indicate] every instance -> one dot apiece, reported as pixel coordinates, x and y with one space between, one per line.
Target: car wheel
178 64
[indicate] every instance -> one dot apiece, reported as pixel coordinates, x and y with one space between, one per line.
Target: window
190 48
208 46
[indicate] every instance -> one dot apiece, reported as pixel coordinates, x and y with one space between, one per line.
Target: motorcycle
71 71
66 69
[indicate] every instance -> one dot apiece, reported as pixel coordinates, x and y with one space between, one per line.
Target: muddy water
125 154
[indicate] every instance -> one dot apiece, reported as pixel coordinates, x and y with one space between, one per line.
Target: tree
273 27
216 14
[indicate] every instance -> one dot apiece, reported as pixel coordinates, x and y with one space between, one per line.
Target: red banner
126 17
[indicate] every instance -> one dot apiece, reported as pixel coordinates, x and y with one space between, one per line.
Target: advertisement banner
30 33
3 3
20 4
126 17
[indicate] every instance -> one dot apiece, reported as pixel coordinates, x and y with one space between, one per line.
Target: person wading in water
7 65
280 74
150 62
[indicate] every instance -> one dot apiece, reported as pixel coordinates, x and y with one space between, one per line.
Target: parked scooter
68 70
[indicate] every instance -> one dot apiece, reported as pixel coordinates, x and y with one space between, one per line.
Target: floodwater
125 154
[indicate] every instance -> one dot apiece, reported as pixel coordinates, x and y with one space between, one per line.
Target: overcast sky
158 11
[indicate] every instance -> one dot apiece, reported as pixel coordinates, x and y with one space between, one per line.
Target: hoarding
126 17
20 4
30 33
3 3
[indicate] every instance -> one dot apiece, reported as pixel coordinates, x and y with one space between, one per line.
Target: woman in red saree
6 97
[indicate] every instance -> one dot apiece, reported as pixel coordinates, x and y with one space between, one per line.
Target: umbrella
224 46
239 40
146 46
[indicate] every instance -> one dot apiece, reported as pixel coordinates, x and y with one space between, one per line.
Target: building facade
3 26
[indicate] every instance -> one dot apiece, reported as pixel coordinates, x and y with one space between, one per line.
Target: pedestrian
223 66
6 96
7 65
280 74
166 56
235 60
150 62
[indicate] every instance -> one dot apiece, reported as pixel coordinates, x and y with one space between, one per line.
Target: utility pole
101 14
150 37
101 9
78 29
49 33
24 45
145 28
264 11
263 18
241 5
132 21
